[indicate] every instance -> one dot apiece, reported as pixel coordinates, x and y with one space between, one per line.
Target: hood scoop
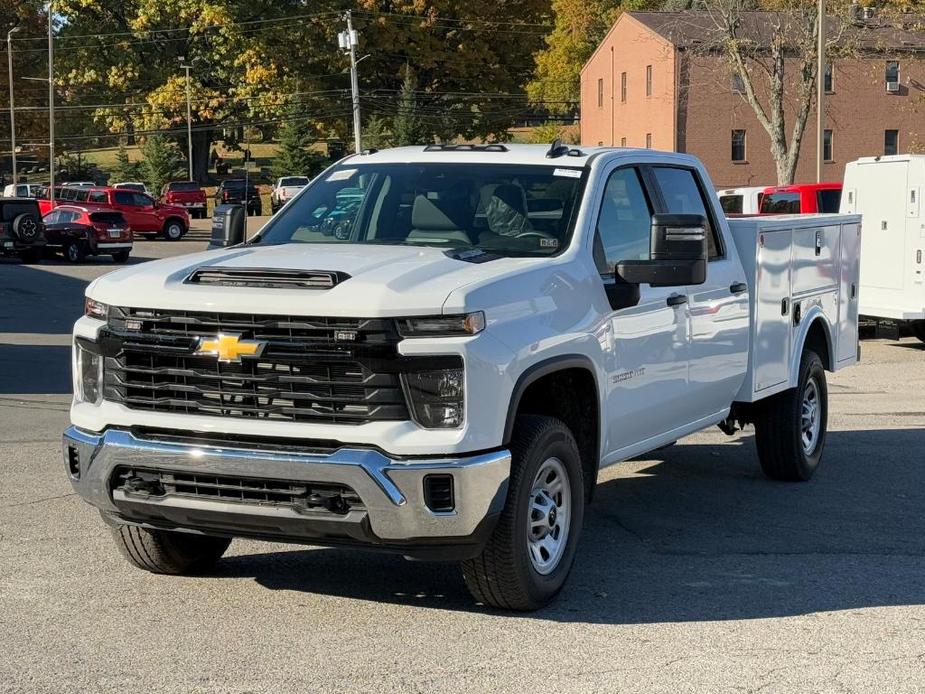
266 278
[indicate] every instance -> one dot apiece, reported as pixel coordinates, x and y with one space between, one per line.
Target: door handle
738 288
676 300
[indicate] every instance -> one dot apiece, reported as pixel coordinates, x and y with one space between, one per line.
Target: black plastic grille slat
311 369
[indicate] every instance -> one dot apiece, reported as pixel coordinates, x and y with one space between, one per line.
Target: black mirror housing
678 253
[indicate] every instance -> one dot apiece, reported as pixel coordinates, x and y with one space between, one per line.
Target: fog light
436 398
89 376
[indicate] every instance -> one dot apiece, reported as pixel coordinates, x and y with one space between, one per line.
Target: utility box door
771 336
847 338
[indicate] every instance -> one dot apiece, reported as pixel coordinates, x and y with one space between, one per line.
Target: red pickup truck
144 214
188 194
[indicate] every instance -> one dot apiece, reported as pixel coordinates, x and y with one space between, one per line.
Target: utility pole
347 40
51 107
820 90
9 55
189 119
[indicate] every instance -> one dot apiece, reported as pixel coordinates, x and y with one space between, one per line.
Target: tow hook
330 501
140 485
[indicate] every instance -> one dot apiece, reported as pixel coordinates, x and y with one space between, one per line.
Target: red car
144 214
80 231
801 198
188 194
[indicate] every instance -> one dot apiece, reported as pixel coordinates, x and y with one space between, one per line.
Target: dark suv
233 191
22 233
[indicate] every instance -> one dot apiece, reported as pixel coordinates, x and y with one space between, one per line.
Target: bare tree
774 55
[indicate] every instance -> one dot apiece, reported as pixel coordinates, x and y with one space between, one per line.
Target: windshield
293 181
504 209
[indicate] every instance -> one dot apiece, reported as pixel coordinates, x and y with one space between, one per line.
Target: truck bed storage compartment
799 268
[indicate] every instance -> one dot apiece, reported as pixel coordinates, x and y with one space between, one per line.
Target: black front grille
326 370
337 498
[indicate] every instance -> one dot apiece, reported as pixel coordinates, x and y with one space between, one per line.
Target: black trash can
228 226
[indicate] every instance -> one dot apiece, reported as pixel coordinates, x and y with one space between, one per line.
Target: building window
891 142
623 87
892 72
828 78
738 84
623 142
648 140
738 145
648 80
600 93
827 145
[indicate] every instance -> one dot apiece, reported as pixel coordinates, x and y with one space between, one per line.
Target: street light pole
9 55
51 108
820 90
189 121
348 42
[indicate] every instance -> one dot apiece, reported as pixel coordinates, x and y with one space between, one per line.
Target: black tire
27 227
173 230
165 552
779 426
75 252
31 256
121 256
918 329
504 575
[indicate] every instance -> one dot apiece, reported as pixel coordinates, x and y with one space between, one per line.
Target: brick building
651 83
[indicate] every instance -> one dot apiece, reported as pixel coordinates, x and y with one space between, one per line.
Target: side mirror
678 253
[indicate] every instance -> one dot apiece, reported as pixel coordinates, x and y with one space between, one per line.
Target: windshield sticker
341 175
549 243
570 173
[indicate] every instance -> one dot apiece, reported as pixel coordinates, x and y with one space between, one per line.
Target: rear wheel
529 555
165 552
791 426
918 329
173 230
121 256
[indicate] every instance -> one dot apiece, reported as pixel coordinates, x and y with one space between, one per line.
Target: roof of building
905 32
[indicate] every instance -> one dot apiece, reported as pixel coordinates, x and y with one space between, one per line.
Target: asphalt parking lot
695 574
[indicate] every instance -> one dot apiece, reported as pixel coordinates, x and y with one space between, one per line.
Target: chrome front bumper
392 491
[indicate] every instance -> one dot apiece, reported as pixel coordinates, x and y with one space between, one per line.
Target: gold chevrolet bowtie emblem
229 348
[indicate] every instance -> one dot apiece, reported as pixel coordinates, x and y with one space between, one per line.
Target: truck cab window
682 195
624 221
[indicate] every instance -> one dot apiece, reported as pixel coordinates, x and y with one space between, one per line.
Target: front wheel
791 426
165 552
529 555
173 230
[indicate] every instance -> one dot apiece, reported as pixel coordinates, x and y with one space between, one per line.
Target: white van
887 192
741 200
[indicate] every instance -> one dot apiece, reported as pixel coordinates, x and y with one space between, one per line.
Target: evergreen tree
162 162
124 169
295 158
376 134
407 128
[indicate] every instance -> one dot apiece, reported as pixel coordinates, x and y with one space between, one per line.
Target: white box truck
887 193
433 351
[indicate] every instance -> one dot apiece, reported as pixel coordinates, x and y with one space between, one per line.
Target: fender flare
812 316
544 368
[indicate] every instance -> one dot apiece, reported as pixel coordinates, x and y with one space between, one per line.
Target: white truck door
719 315
647 345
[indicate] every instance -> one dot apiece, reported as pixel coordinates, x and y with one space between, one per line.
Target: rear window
107 218
294 181
731 204
234 183
829 200
780 203
182 186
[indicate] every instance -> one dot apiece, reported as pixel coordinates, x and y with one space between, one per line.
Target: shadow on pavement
33 300
698 535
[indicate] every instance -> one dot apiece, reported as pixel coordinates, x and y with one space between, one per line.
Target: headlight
436 398
442 326
89 376
95 309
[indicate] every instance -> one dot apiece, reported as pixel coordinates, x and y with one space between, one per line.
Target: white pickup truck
433 350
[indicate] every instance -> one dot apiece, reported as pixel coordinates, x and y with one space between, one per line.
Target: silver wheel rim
810 417
72 254
174 231
549 516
